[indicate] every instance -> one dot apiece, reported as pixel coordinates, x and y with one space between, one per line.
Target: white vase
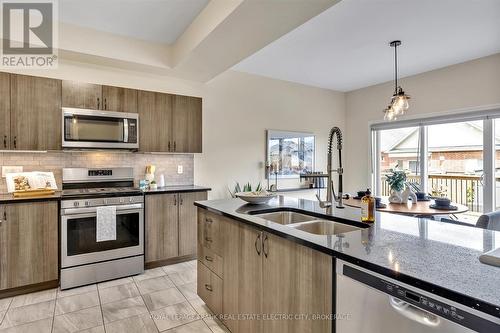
408 194
395 197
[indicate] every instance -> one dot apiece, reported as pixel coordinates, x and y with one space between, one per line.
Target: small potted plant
396 180
153 185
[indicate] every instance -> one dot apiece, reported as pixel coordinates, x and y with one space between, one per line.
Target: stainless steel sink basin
286 217
324 227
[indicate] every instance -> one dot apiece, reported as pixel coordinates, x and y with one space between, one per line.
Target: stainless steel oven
87 129
84 259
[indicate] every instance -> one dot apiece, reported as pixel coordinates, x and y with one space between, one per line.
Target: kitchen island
440 258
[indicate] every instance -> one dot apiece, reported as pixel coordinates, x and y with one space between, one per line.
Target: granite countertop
9 198
178 188
435 256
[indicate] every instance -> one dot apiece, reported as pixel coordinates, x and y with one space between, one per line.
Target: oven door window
92 128
81 234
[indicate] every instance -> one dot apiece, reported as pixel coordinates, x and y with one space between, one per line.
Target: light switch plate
11 169
180 169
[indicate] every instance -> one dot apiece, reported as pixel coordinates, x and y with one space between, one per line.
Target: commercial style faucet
331 196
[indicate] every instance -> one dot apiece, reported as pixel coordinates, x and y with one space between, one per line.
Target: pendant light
399 101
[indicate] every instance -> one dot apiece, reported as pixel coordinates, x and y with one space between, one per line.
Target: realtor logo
29 33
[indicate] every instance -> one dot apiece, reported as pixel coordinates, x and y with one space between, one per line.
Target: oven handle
73 211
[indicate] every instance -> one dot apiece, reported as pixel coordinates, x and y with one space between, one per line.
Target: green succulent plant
396 180
246 188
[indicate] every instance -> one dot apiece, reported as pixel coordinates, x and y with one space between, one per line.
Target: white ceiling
346 47
152 20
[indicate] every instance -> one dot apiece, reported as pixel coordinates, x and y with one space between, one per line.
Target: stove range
84 259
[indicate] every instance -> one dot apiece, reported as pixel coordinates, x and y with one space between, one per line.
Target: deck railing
462 189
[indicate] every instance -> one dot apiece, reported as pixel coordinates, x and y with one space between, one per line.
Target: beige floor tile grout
100 308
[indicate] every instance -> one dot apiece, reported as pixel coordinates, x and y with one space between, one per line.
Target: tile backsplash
54 161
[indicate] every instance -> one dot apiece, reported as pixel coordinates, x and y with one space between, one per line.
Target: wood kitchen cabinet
4 111
171 226
119 99
263 275
187 124
161 224
81 95
28 244
35 115
155 121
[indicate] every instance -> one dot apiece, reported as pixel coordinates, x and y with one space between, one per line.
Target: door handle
413 313
257 241
265 245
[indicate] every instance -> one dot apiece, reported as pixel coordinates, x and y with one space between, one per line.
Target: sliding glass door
456 156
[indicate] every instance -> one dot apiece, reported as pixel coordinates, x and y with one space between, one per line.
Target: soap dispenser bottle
368 207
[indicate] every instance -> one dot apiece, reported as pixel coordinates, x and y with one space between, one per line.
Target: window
290 154
457 156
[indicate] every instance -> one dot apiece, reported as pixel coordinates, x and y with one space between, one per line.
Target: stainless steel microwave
88 129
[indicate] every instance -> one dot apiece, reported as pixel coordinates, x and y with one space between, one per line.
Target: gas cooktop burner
99 190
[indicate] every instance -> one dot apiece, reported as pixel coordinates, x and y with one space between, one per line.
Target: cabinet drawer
209 235
211 259
209 288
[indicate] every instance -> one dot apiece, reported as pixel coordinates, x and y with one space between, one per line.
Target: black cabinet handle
181 201
208 287
98 103
175 148
257 241
265 246
207 258
175 200
208 220
5 141
15 141
105 104
169 146
4 216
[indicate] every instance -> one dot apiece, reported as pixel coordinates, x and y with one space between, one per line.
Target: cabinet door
29 244
155 121
161 227
188 222
35 113
242 290
119 99
4 111
187 120
81 95
296 280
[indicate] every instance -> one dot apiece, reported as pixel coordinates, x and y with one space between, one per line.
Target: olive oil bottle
368 207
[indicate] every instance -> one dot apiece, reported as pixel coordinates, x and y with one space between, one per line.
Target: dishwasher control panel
404 295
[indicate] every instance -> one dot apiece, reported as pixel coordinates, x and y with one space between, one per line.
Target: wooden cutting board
33 193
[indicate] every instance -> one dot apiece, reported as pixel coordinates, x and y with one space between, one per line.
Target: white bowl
255 198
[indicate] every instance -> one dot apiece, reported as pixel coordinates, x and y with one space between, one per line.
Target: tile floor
160 300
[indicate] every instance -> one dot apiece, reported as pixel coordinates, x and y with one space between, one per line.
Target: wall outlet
10 169
180 169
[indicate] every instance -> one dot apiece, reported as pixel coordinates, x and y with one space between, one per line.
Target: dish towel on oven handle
106 223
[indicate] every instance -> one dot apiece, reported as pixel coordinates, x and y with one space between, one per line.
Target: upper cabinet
187 129
169 123
97 97
30 113
119 99
4 111
155 121
81 95
35 113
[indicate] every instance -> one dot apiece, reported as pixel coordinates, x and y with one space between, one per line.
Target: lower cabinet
28 243
263 276
170 224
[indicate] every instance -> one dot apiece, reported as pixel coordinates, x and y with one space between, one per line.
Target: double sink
305 222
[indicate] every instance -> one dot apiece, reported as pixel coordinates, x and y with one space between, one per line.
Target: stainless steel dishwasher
372 303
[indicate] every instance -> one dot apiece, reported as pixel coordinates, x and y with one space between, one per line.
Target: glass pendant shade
399 101
389 114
